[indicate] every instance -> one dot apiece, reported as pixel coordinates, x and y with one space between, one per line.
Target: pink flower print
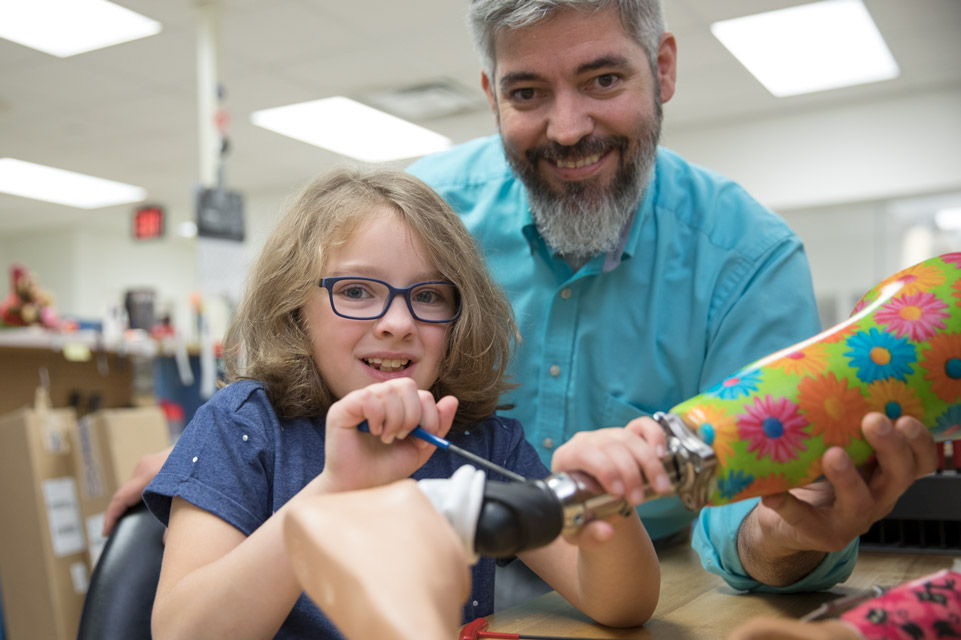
774 428
919 316
953 259
863 302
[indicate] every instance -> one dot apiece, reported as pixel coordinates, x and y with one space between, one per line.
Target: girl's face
352 354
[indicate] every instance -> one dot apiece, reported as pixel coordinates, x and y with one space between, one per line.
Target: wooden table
697 605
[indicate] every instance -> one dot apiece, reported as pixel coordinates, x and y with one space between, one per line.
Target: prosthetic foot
380 563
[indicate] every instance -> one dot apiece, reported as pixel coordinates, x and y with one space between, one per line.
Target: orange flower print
942 366
832 408
716 429
840 332
813 473
765 486
920 277
806 362
957 291
894 399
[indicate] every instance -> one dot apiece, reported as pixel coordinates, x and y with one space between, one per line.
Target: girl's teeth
387 364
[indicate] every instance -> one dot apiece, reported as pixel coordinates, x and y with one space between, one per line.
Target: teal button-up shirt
708 280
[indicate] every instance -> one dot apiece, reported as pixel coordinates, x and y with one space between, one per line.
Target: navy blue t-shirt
239 461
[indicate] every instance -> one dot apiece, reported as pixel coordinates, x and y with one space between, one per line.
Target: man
640 280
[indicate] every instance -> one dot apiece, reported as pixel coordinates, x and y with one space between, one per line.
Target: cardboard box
43 563
106 447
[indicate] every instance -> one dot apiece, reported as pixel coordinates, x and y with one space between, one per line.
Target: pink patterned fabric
927 608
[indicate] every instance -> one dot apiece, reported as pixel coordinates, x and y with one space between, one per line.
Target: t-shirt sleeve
715 540
220 465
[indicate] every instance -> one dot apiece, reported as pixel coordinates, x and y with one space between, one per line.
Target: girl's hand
624 461
392 409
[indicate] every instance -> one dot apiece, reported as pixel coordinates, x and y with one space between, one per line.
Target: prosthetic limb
769 424
380 563
929 607
764 429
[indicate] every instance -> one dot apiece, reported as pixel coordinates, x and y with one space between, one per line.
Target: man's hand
624 461
787 535
130 492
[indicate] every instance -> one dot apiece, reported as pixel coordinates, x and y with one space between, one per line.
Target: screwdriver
439 442
476 630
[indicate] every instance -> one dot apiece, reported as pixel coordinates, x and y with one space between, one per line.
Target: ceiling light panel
67 27
39 182
352 129
810 47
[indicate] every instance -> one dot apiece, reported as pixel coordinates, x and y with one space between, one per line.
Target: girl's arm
215 582
609 571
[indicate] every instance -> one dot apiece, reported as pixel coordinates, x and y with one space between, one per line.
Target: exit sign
148 222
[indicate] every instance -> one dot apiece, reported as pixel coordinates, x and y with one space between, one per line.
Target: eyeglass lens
363 299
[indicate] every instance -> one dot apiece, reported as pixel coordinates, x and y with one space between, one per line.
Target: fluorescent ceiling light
948 219
811 47
36 181
67 27
351 129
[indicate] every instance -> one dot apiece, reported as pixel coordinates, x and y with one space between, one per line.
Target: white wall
832 174
840 177
855 153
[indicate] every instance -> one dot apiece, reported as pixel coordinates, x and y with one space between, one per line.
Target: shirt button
565 293
555 370
548 443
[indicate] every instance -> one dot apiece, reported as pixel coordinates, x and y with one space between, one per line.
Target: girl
369 302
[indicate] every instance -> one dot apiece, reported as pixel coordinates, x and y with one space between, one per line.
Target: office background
858 172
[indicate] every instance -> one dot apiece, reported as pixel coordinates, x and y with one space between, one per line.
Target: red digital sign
148 222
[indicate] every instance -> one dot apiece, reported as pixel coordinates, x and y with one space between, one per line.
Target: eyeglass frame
392 292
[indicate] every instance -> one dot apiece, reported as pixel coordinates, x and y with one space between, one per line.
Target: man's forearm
772 566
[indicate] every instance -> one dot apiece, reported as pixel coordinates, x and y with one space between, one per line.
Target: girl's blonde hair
268 338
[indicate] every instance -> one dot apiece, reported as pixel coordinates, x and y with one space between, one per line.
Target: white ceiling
129 112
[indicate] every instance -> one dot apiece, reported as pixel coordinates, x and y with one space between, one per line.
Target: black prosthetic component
517 517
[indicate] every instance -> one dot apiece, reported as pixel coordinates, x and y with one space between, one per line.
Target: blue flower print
734 483
878 355
948 424
743 383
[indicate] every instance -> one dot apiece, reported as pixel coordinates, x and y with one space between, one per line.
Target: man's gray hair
643 20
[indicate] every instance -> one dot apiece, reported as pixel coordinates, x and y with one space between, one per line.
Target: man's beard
586 218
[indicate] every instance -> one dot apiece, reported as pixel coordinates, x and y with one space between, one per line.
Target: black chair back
122 588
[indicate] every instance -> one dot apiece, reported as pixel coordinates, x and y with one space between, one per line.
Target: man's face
579 113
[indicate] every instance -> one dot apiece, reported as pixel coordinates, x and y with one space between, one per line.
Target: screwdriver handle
444 444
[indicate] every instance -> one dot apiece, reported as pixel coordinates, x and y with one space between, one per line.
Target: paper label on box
63 515
92 485
78 574
54 438
95 539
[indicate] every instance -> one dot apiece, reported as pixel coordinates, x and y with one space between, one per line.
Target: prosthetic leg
381 563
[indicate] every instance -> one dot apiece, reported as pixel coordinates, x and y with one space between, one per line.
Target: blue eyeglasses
358 298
